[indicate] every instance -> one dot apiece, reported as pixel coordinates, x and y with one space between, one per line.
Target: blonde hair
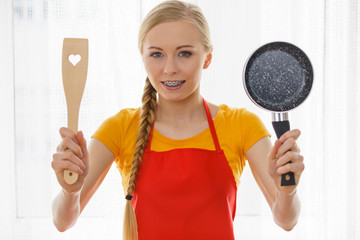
172 11
165 12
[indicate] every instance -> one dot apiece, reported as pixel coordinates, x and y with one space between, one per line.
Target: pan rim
308 71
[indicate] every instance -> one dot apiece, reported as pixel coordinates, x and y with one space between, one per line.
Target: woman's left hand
285 157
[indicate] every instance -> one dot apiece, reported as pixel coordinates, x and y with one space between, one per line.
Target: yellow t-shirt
237 130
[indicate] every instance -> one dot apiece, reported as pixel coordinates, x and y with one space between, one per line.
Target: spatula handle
74 75
70 177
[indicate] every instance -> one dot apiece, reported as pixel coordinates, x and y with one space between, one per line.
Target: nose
170 66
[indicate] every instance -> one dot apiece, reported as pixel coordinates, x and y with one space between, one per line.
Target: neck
189 109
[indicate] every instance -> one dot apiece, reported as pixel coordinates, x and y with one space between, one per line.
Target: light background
33 106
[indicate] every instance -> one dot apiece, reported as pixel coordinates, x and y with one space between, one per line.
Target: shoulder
114 131
120 121
126 114
224 110
235 113
240 121
124 117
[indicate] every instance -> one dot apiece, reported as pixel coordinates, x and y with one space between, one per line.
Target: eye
156 54
185 54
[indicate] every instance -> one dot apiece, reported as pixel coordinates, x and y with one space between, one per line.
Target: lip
173 88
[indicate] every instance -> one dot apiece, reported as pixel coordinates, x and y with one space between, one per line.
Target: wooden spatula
74 72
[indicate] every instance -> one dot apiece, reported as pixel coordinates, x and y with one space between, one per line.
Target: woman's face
174 58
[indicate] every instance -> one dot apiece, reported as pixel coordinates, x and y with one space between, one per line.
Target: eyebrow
182 46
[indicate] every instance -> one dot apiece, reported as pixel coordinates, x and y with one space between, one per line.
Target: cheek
152 68
194 68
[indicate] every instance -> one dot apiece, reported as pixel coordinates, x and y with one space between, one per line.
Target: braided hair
147 116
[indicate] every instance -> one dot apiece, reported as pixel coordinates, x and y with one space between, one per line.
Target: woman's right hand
71 154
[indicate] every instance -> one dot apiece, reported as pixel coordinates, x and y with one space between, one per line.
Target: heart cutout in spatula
74 59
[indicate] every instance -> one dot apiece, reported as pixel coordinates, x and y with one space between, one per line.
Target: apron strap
212 127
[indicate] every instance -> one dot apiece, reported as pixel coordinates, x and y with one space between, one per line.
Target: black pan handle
282 125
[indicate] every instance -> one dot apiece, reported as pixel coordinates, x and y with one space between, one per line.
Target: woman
179 156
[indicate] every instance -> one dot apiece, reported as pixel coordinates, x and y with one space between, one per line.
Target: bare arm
92 166
66 210
267 166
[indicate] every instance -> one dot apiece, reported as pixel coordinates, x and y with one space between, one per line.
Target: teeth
173 83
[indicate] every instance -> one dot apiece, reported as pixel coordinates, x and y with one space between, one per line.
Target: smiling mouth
173 83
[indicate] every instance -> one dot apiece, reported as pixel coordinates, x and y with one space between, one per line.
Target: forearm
286 210
66 210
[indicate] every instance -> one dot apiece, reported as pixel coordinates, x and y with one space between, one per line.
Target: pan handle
281 125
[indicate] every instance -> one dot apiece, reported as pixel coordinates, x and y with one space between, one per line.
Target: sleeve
109 133
253 129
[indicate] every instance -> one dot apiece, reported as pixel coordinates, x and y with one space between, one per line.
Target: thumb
274 150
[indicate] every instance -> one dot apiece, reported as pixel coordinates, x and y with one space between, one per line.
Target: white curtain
33 106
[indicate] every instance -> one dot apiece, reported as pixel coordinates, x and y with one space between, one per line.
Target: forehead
172 34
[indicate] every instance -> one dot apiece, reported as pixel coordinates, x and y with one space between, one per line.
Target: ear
208 60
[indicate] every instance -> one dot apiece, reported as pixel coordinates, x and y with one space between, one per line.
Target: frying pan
278 77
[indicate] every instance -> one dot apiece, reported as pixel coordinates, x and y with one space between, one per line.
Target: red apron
185 193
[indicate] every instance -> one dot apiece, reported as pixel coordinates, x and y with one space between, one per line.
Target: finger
295 133
60 166
60 148
295 167
274 150
67 132
69 145
69 157
288 145
289 157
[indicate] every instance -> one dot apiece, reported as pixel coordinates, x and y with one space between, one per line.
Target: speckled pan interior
278 76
